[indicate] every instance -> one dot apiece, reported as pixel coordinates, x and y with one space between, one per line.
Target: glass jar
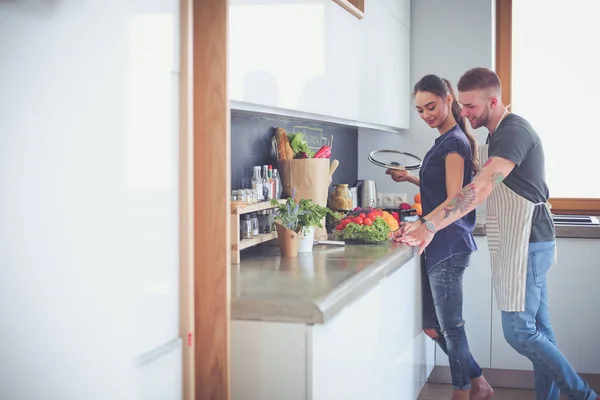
264 221
255 229
234 195
241 196
246 227
341 198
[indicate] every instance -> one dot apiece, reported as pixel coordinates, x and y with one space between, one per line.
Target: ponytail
462 123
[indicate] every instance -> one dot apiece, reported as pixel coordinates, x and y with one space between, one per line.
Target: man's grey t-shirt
517 141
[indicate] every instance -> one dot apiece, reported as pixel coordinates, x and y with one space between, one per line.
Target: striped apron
508 229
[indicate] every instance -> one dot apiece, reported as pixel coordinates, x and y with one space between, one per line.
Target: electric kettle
367 193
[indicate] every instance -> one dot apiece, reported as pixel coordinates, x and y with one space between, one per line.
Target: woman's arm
455 169
402 175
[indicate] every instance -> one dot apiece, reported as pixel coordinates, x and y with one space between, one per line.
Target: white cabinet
573 301
477 306
385 81
373 349
314 57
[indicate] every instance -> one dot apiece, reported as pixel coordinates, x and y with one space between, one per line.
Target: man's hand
420 237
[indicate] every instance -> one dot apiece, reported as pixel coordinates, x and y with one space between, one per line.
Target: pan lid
394 159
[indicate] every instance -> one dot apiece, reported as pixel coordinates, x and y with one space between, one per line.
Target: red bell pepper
324 152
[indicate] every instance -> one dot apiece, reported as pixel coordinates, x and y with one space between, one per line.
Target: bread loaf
284 149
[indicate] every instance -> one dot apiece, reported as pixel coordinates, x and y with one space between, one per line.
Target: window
547 58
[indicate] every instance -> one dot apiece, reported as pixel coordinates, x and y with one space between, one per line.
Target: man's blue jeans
530 333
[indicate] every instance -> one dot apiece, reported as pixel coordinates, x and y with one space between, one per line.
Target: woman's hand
401 175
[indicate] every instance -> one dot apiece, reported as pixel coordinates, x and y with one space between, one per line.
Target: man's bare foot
460 395
480 389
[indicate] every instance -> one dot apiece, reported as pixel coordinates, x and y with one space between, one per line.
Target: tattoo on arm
462 201
497 178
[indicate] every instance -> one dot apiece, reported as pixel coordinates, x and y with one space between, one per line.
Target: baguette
284 149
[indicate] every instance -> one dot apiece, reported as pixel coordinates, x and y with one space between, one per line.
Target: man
519 227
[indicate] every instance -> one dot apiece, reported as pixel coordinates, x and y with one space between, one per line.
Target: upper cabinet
314 56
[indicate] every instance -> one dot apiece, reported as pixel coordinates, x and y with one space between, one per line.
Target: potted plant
295 224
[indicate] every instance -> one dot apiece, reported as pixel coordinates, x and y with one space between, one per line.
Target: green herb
376 233
299 216
312 214
299 144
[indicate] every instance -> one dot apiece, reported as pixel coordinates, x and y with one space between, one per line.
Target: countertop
313 287
562 231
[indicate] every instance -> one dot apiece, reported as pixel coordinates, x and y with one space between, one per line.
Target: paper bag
310 177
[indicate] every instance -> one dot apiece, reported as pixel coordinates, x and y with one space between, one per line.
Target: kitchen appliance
367 193
393 159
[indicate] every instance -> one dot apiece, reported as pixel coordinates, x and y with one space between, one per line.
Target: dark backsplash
251 145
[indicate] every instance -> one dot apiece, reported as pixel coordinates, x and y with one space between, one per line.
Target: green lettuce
299 144
376 233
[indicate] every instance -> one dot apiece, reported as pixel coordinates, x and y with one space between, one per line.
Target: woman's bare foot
480 389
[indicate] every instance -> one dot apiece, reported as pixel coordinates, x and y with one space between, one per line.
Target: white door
88 198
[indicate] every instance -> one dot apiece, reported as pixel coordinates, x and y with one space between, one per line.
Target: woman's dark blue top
456 238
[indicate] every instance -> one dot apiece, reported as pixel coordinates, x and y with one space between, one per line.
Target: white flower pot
306 239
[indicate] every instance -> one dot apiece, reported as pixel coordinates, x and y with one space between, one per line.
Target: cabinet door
572 296
477 304
385 88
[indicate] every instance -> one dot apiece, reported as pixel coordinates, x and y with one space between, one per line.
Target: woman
449 165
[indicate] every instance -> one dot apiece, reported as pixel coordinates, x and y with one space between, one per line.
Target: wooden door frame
205 201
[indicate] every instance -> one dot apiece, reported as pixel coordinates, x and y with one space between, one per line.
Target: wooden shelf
236 243
250 208
263 237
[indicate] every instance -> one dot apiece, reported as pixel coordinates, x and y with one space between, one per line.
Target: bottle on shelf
266 183
272 183
257 182
278 185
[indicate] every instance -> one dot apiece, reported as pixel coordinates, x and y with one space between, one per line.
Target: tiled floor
435 391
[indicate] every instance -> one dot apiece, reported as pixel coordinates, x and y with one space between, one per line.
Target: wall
251 135
89 204
446 38
313 56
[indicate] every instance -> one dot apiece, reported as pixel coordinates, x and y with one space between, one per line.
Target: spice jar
241 195
246 227
254 224
264 221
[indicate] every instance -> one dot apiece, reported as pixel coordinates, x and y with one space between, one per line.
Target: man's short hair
479 78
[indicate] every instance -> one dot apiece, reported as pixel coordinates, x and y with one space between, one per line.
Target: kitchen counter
342 322
311 288
562 231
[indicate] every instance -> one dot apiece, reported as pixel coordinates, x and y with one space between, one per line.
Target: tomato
339 227
345 221
362 215
358 220
368 221
372 215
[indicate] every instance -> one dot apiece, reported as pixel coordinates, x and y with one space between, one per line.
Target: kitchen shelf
236 244
250 208
263 237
